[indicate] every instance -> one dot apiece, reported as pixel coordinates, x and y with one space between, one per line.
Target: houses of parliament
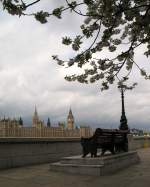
15 128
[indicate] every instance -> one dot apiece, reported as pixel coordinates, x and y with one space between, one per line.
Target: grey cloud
29 77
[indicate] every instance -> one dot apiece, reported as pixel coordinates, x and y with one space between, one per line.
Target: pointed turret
48 123
35 118
35 112
20 122
70 113
36 122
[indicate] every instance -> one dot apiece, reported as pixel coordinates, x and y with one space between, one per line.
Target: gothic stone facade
15 128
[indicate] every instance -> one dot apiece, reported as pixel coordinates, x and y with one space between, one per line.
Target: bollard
146 142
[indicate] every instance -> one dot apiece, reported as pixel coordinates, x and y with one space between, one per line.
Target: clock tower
70 120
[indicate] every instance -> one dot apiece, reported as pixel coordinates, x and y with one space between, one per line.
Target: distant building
70 120
61 125
48 123
9 125
36 122
136 132
14 128
85 131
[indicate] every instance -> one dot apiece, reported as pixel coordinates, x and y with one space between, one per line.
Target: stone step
100 160
76 169
78 160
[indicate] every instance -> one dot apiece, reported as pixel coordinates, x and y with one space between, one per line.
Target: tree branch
80 13
99 29
32 3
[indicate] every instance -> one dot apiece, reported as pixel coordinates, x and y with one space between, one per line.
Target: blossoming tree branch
116 26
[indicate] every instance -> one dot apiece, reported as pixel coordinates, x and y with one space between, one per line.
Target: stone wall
16 152
138 142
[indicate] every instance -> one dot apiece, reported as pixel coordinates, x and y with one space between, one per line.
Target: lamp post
123 119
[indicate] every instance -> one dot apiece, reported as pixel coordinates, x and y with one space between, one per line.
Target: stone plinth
96 166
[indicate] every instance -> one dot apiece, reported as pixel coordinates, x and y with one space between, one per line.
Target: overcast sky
29 77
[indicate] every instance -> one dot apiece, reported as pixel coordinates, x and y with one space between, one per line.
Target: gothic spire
48 123
20 121
70 113
35 112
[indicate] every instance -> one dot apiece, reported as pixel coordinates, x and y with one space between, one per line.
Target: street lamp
123 119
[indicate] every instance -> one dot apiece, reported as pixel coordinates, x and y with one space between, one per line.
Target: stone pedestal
96 166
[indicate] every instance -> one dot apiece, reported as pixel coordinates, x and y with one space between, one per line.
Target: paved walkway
40 176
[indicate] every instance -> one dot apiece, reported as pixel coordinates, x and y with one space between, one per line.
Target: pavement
39 176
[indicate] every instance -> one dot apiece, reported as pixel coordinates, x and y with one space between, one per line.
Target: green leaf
42 16
57 12
143 72
66 40
112 48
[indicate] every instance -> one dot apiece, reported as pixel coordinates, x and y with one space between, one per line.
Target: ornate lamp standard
123 119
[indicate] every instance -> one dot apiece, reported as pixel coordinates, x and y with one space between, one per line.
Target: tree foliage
108 24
